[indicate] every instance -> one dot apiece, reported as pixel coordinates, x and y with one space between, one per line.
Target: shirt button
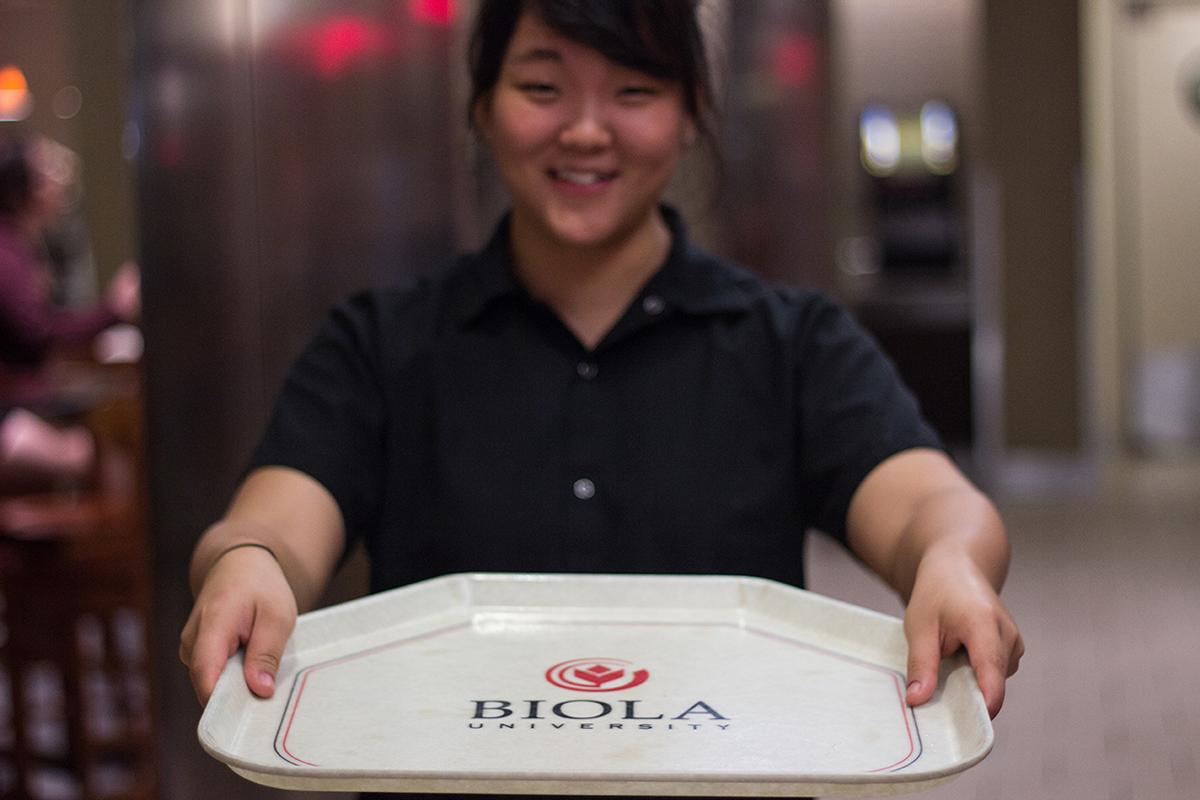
587 370
584 489
653 304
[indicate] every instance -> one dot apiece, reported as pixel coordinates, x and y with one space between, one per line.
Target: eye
638 91
538 91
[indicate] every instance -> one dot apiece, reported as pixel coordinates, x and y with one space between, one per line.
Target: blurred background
1005 193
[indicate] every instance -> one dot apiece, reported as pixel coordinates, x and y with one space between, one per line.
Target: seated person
33 452
31 198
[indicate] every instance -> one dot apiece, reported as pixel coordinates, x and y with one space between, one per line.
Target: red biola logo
596 675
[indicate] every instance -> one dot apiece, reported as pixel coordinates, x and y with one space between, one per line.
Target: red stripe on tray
334 662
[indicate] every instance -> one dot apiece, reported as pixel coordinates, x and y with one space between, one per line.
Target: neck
589 287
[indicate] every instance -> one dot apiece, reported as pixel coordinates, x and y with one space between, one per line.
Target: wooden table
75 588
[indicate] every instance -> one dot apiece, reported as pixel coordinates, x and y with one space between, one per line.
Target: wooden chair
76 686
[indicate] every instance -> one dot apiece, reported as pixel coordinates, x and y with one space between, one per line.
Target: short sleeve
328 418
854 412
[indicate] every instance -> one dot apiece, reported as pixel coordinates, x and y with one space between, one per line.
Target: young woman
592 393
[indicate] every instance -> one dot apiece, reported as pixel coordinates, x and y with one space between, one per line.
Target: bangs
660 38
645 36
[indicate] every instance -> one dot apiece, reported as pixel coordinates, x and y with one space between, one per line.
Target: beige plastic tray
597 684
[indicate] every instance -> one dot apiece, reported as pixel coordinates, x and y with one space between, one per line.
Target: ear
481 117
690 133
692 122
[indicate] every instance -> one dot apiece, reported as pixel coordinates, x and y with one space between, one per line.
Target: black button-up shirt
462 427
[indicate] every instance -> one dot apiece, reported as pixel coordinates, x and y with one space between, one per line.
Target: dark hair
16 176
658 37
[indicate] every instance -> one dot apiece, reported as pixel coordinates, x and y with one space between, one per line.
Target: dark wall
274 178
102 66
1033 143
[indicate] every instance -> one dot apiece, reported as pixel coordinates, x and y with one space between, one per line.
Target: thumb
924 658
264 650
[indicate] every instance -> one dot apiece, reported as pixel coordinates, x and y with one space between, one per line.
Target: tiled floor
1107 593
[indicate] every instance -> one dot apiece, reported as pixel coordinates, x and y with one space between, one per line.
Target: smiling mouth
580 177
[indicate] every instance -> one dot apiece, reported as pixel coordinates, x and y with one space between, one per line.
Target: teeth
581 178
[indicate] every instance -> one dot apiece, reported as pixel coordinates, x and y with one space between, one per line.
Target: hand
245 600
953 605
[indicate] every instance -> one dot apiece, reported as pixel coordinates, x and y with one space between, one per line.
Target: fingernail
268 680
915 686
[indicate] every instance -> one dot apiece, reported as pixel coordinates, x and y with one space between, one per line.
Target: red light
795 59
333 46
433 12
344 41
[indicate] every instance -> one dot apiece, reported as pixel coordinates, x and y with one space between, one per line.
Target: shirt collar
486 277
690 279
695 281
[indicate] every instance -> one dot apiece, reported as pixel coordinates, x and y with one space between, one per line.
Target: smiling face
585 145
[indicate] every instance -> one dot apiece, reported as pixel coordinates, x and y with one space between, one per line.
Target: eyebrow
537 54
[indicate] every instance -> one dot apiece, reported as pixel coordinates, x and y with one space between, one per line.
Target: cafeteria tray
597 684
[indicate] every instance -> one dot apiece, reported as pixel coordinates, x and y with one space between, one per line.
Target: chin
583 238
590 229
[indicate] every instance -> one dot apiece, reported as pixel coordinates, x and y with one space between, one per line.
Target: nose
586 128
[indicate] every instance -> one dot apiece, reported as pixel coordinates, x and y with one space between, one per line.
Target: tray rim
297 777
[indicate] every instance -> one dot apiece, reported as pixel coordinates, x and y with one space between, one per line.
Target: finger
924 658
264 651
216 641
1014 658
990 660
187 638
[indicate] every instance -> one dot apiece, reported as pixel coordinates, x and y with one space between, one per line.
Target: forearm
952 523
922 527
917 507
288 514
